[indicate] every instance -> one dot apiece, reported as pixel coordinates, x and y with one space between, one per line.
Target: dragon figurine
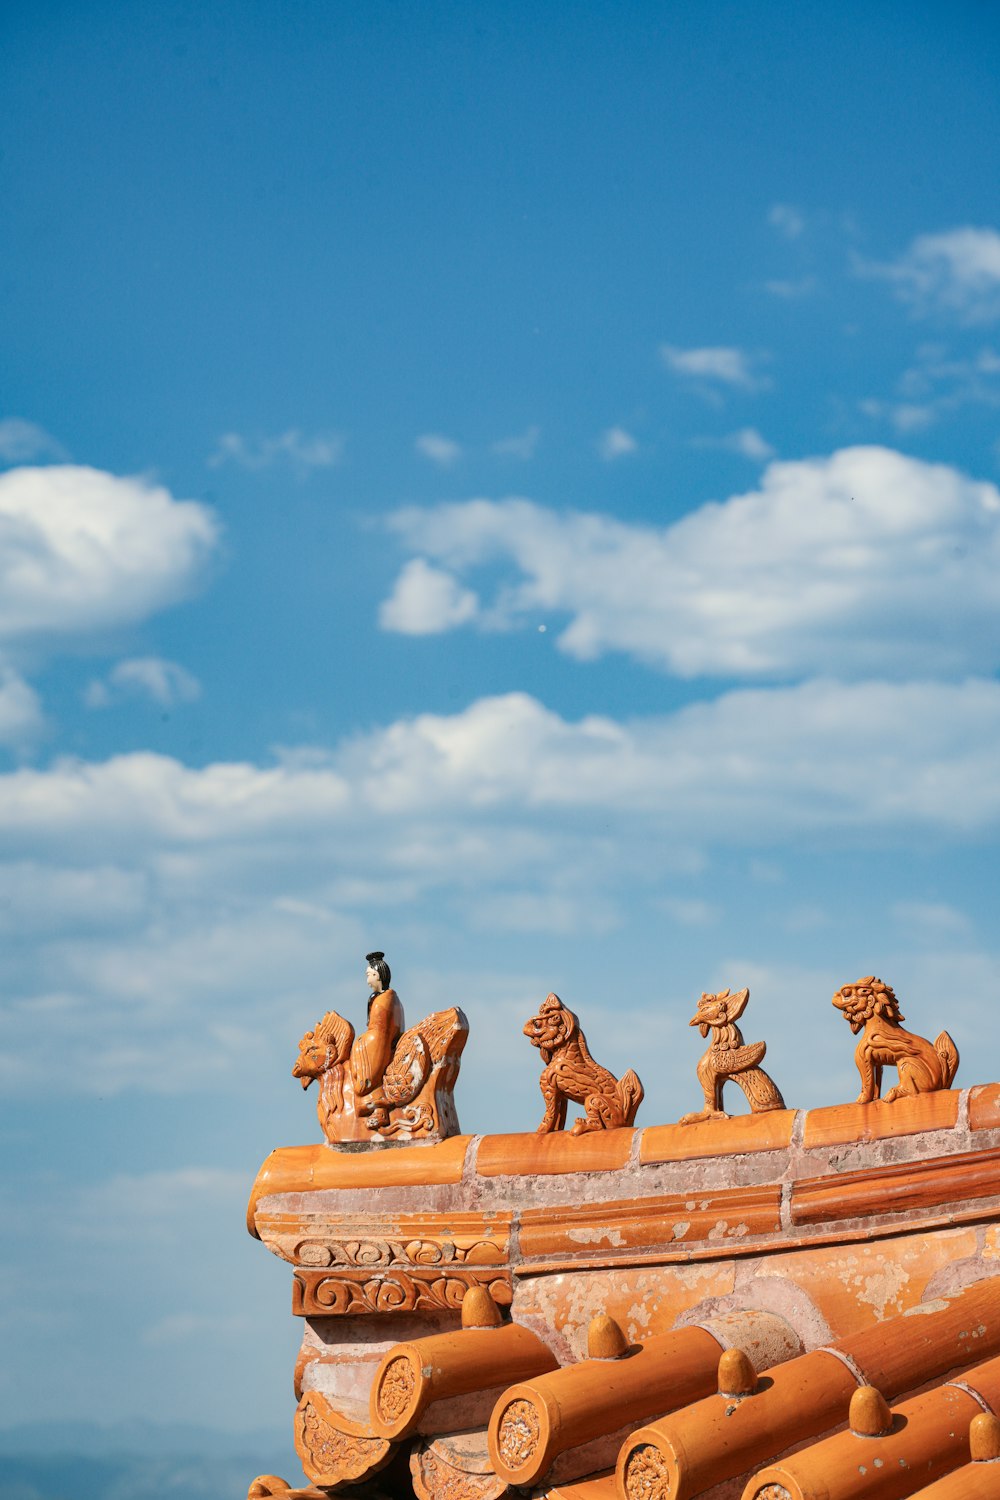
730 1058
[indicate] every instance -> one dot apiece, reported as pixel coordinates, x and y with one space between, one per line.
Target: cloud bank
865 563
205 929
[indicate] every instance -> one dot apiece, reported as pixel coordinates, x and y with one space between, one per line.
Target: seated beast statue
871 1007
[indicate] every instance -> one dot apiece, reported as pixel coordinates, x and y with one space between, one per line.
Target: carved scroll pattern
330 1455
378 1253
517 1435
395 1389
646 1476
436 1479
318 1294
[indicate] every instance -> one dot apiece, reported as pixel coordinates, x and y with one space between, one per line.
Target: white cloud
443 451
860 564
722 365
787 759
936 386
786 219
966 378
164 682
82 551
20 711
784 759
955 273
903 416
320 451
426 601
615 442
522 445
21 441
945 384
746 441
202 940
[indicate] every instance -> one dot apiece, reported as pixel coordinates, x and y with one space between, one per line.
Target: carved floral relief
434 1478
646 1475
518 1433
331 1452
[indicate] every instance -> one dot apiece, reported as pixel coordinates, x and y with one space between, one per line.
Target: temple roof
730 1308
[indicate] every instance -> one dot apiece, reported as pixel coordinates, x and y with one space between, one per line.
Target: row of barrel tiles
687 1410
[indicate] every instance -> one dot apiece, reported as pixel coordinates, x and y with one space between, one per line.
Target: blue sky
518 487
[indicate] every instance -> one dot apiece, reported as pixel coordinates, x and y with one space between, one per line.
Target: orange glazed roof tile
767 1132
789 1305
984 1107
839 1123
535 1155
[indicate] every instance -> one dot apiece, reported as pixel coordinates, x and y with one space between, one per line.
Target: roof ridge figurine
730 1059
570 1073
870 1006
386 1084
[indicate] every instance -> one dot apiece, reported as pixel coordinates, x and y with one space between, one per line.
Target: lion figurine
872 1008
571 1073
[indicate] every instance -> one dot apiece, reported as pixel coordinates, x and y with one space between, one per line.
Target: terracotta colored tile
597 1487
543 1155
942 1181
596 1397
644 1301
984 1107
930 1339
842 1124
856 1286
932 1438
354 1293
771 1131
413 1376
334 1448
301 1169
602 1230
973 1481
431 1242
714 1440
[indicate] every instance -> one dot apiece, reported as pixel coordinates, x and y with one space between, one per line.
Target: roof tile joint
845 1359
971 1391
